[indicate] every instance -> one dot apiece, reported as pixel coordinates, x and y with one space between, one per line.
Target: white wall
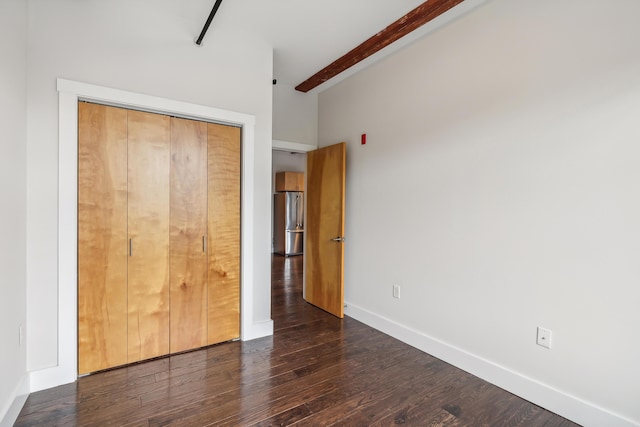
500 189
144 47
13 169
295 115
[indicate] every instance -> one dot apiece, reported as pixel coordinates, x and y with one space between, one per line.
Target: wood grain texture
188 228
324 258
317 370
148 222
289 181
419 16
102 237
223 232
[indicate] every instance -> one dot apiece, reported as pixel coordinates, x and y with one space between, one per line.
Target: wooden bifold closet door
148 213
102 237
158 235
188 234
224 233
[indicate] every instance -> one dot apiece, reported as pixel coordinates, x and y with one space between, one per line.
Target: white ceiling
313 34
308 35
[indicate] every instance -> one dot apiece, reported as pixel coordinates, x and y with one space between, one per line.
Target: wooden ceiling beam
413 20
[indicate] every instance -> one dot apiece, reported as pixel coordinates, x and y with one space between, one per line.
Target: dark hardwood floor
316 370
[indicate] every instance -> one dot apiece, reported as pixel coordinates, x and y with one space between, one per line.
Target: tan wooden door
148 272
188 230
324 228
158 235
102 237
224 232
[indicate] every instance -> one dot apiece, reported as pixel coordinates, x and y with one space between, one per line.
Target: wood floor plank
269 410
257 394
355 404
254 397
315 370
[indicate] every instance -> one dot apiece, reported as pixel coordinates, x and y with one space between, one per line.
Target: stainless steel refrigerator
288 227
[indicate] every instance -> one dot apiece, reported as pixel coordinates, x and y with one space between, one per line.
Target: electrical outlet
396 291
544 337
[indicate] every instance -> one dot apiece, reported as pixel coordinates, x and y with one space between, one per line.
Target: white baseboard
51 377
258 330
554 400
10 413
66 373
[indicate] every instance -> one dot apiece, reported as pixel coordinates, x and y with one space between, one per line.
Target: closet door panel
188 230
148 290
223 232
102 237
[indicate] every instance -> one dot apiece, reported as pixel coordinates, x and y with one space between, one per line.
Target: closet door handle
130 247
204 244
